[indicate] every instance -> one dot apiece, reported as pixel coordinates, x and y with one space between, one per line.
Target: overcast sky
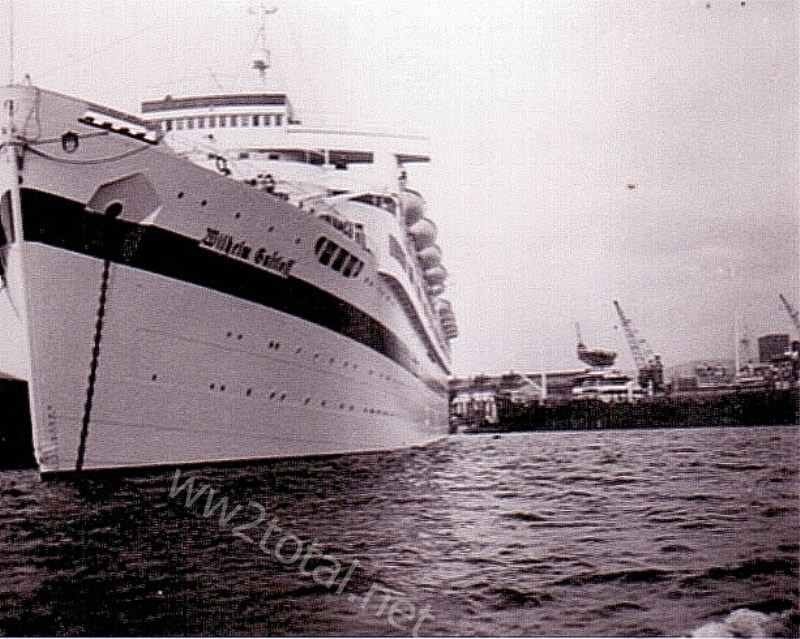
540 114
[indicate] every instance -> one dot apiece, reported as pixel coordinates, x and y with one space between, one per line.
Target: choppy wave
609 533
751 624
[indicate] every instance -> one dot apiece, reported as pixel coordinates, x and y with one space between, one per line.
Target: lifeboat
435 275
423 232
430 256
412 205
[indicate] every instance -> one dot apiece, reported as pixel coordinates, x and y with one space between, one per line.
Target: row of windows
380 201
214 121
329 253
318 357
274 395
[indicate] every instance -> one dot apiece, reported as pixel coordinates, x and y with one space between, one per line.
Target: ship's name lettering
227 244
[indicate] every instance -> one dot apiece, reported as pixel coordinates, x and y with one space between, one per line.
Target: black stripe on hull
67 225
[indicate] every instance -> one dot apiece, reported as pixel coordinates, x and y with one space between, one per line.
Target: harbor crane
794 314
649 366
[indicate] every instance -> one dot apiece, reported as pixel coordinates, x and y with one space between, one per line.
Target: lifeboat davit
424 233
435 275
448 319
412 205
430 256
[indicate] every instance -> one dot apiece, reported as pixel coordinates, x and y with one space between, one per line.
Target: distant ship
606 386
216 281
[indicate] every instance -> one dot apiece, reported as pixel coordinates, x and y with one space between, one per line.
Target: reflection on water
592 533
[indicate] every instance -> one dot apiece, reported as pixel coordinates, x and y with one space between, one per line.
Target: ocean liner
215 281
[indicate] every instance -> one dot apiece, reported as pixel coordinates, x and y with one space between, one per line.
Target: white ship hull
143 347
175 383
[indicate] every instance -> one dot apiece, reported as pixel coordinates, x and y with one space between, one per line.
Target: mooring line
98 334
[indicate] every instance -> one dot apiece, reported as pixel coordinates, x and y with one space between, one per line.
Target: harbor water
641 532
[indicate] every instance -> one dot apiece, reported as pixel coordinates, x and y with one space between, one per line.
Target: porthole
180 195
204 202
272 395
282 397
211 386
239 336
154 377
238 215
249 392
298 350
297 240
222 388
307 400
270 229
229 334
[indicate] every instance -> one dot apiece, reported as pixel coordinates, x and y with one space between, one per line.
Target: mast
11 168
10 42
263 63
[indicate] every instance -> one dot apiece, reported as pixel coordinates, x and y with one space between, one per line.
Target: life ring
222 165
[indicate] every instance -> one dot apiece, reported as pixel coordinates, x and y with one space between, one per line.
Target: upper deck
262 120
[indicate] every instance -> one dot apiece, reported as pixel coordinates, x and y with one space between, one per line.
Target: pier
741 408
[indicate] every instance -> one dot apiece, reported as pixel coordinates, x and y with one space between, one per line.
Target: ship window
278 119
360 236
168 125
347 271
319 244
267 120
212 121
327 253
339 259
6 234
357 269
179 125
255 120
274 156
222 121
201 123
190 123
233 120
245 120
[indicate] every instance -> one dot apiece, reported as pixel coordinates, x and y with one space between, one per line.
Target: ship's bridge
251 123
217 112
